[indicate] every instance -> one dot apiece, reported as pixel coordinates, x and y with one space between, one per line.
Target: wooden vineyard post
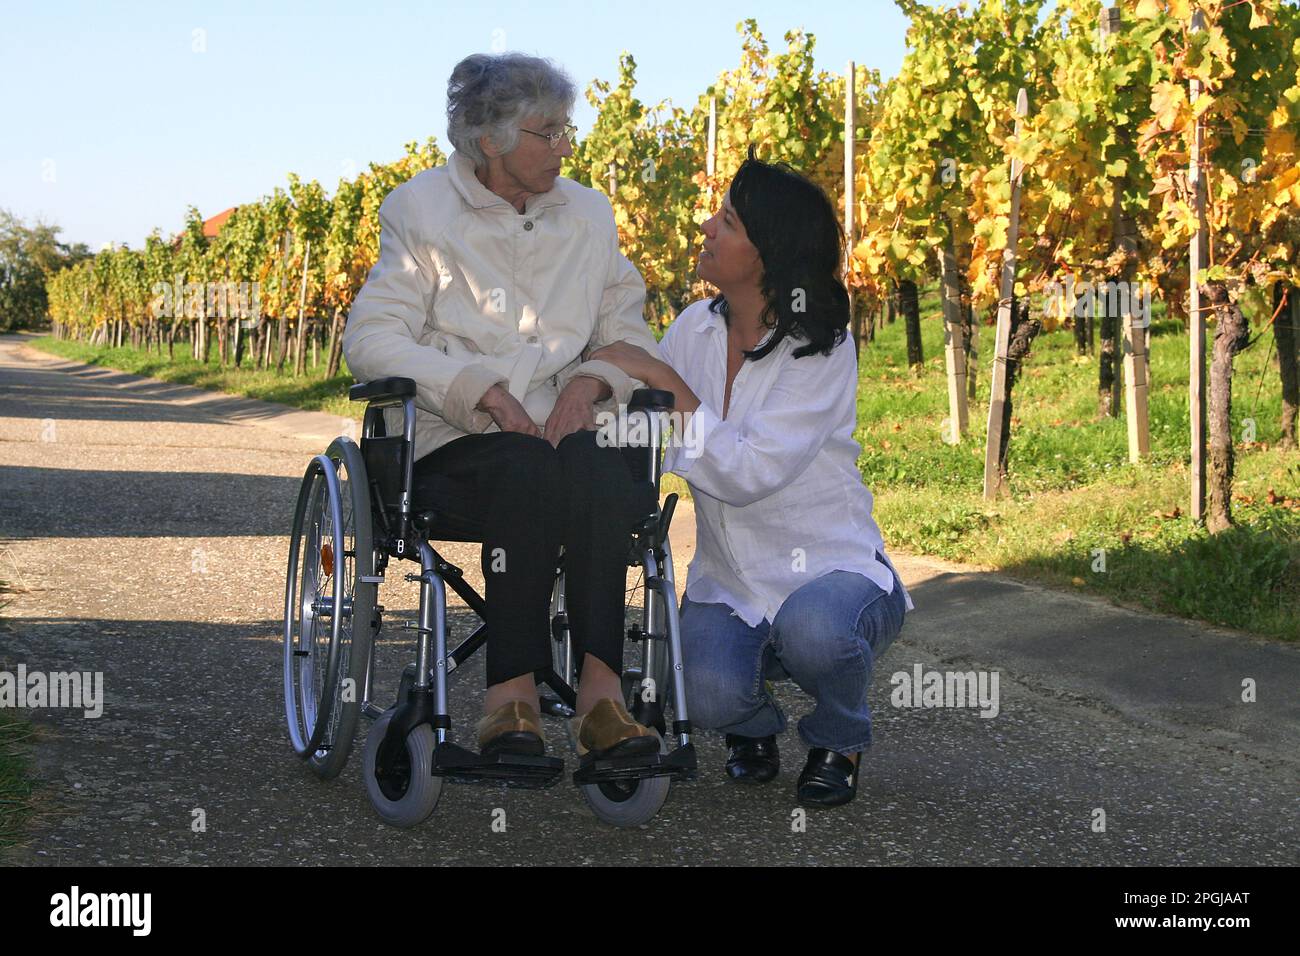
994 482
300 358
1134 368
973 350
1196 317
850 122
236 340
1136 384
282 335
613 180
954 354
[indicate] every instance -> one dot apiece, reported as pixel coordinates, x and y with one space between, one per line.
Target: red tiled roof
213 226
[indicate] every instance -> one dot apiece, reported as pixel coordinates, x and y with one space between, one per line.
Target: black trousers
524 499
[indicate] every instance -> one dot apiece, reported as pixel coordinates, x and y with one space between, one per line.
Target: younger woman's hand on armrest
651 369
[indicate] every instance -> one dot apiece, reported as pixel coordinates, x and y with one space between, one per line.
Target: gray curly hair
488 96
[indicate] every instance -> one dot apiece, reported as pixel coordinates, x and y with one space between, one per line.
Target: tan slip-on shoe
513 728
608 730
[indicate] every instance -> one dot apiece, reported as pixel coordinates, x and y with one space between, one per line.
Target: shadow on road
43 393
71 503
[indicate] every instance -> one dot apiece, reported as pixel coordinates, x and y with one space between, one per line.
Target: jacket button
528 226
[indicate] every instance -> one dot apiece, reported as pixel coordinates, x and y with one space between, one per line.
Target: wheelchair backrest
386 468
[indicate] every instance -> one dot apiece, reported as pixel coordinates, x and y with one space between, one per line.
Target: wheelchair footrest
680 765
457 763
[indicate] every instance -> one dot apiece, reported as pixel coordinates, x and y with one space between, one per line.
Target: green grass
16 785
1077 504
1073 488
312 391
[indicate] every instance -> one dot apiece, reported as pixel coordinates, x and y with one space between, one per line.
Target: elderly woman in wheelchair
495 278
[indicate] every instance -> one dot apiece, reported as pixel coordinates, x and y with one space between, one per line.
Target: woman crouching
790 577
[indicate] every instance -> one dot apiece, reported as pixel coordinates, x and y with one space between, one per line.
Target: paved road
146 525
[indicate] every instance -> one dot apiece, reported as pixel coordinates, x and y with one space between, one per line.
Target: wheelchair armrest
383 390
643 459
651 399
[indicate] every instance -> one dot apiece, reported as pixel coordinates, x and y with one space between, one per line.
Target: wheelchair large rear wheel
329 608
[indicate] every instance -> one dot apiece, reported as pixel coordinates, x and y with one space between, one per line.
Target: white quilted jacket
468 293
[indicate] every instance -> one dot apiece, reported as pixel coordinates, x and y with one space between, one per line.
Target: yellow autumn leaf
1149 9
1280 142
1217 46
1282 185
998 234
1168 101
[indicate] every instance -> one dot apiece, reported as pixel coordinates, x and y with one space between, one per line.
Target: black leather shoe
752 759
829 779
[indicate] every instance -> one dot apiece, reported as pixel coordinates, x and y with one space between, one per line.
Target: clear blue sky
114 123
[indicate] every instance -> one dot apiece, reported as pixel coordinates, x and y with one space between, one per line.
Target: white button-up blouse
779 500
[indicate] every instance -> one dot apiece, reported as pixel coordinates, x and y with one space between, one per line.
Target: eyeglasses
568 133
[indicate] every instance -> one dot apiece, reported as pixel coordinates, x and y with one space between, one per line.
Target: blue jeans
826 637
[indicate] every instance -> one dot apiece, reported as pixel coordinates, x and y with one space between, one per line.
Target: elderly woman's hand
632 359
575 409
507 412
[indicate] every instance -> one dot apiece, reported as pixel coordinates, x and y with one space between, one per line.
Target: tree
935 170
651 188
1245 59
158 275
779 103
345 268
30 256
309 222
192 267
1089 209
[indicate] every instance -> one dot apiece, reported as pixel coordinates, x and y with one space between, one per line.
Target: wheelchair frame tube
655 438
433 624
675 641
666 586
650 618
651 626
560 608
374 414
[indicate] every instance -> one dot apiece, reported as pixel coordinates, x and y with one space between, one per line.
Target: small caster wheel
629 803
407 793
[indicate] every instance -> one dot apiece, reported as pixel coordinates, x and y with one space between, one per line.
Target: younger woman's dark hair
792 224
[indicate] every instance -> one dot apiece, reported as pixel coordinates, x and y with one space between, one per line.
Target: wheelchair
354 514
